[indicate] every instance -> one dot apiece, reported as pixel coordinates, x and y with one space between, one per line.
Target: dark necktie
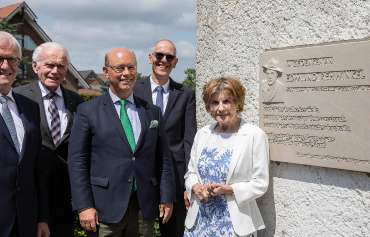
8 119
126 124
54 118
159 99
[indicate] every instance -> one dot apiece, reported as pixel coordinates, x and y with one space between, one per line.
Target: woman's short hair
230 84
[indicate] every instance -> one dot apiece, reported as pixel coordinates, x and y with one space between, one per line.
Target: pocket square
153 124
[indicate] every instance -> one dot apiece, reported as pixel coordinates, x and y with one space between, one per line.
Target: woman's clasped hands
205 191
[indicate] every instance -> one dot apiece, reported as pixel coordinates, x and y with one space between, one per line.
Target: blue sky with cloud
89 28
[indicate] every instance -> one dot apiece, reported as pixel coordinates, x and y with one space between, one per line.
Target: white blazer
248 176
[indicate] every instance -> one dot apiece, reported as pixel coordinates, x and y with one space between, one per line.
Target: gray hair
37 52
12 41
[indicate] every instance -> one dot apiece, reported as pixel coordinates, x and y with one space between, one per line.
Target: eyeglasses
122 68
11 60
160 56
51 66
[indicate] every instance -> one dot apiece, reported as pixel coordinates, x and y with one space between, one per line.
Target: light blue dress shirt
132 113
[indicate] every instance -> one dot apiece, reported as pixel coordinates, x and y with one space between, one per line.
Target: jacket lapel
68 104
25 122
146 90
143 121
172 97
44 127
113 118
237 156
4 130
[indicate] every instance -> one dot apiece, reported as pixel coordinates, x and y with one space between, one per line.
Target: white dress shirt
59 102
16 118
166 93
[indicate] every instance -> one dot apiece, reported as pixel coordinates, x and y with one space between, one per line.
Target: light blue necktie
8 119
159 99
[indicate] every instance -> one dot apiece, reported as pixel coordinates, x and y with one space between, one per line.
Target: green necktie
126 124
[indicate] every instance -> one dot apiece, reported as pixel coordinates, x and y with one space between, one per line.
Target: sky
90 28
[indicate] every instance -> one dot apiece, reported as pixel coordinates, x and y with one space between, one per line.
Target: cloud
164 12
89 28
187 19
185 49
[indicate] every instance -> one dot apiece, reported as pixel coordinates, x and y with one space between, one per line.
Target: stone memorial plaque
315 104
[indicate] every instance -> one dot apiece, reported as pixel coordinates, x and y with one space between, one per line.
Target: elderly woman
228 168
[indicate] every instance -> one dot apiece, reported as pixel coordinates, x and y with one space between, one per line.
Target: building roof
7 12
86 73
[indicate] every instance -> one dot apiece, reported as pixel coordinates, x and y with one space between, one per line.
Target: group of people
131 154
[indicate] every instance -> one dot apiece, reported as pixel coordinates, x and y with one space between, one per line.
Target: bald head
119 53
165 43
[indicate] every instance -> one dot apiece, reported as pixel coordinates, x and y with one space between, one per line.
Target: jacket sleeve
247 191
190 126
167 173
79 162
191 176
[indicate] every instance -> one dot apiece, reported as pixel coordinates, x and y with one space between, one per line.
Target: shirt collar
10 95
116 99
154 85
45 91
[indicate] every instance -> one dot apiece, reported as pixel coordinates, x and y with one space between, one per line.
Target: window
29 44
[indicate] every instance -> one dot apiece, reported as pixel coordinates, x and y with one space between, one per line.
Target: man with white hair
57 105
20 142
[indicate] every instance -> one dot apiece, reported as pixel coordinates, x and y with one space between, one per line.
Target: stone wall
232 34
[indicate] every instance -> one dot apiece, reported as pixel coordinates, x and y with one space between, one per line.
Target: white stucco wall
302 200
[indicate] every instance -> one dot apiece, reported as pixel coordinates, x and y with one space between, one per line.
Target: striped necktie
54 117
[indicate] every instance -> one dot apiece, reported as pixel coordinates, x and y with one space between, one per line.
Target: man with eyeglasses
20 142
57 106
177 104
118 158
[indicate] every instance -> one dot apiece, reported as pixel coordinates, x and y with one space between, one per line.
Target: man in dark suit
57 106
118 158
178 109
20 143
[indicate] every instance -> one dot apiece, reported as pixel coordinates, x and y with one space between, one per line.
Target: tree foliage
190 78
6 26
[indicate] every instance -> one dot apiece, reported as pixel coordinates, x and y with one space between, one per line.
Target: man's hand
201 192
43 229
89 219
220 189
165 211
186 200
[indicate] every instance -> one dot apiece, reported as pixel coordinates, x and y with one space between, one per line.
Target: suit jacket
179 123
55 198
248 175
102 165
18 189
